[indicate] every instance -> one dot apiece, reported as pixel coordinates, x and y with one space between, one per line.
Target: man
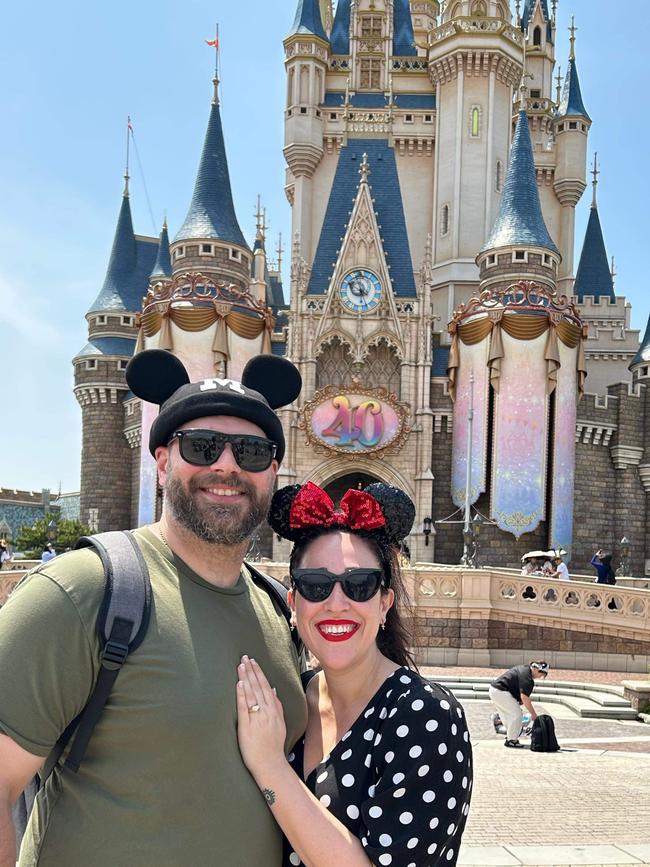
561 570
162 782
48 553
512 690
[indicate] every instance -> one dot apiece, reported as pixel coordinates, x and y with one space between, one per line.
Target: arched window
382 368
537 35
479 9
444 220
334 364
475 122
498 182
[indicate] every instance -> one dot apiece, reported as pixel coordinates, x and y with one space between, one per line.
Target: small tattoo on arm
269 796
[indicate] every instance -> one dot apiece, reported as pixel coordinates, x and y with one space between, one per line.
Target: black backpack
542 738
121 627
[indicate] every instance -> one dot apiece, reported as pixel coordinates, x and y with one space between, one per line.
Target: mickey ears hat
268 382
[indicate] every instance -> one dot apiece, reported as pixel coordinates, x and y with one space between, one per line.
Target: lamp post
624 565
477 524
51 531
426 529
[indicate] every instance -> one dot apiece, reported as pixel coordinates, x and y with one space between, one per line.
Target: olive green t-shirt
162 783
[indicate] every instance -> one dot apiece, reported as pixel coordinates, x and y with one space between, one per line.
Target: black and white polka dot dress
401 778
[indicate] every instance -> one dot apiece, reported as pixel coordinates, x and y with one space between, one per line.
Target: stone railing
8 580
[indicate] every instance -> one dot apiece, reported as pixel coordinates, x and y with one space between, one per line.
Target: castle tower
100 386
539 28
572 124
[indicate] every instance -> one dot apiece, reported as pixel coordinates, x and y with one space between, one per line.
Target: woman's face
319 623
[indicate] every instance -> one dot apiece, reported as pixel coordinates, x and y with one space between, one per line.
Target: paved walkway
587 805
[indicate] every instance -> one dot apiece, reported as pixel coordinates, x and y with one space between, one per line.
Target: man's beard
213 522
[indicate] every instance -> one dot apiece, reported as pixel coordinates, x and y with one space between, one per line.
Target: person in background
561 569
602 563
528 567
5 553
512 690
48 553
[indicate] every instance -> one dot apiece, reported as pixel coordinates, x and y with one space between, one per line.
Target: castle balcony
478 44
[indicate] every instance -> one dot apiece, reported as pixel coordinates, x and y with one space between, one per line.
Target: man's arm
525 700
17 767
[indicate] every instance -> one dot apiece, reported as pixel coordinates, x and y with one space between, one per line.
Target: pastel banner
473 359
520 437
564 450
148 469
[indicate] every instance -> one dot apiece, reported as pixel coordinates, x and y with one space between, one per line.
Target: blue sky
72 73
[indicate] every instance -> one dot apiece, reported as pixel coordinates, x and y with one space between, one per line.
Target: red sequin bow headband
312 507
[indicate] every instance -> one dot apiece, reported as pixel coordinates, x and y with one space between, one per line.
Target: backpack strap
278 593
121 627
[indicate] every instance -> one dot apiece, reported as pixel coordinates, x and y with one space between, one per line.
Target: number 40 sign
354 421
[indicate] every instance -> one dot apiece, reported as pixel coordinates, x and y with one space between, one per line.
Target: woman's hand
261 730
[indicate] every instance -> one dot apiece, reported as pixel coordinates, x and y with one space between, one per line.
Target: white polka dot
460 757
432 725
466 736
291 757
451 803
397 779
451 829
444 704
428 688
428 797
294 859
390 755
459 712
454 729
399 793
447 776
369 712
364 841
321 777
465 809
388 694
432 848
406 818
412 843
415 752
442 749
418 704
405 679
392 713
369 734
464 783
383 713
378 739
371 791
353 811
346 755
434 823
325 800
386 858
375 812
423 771
385 840
402 731
450 854
347 780
346 736
368 760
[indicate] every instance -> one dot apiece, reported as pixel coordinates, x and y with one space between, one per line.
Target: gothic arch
333 468
334 360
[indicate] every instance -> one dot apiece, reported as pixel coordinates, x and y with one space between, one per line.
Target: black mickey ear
276 378
280 511
155 374
398 509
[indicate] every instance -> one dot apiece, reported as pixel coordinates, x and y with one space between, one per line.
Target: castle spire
340 37
594 276
520 221
122 263
404 37
308 20
571 102
212 212
163 264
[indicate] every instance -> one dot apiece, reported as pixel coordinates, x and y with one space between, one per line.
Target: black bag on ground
542 738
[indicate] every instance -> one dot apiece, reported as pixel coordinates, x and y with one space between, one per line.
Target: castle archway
336 472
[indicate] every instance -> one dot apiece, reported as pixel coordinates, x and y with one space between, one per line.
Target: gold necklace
162 536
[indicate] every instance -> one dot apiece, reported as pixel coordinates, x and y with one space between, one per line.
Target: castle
434 165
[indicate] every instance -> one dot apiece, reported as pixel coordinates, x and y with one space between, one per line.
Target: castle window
408 118
370 73
101 320
491 260
121 364
560 128
234 254
480 9
127 320
444 220
333 115
520 256
644 371
206 250
547 259
537 36
573 125
498 181
428 118
371 27
303 110
91 364
179 252
475 122
536 93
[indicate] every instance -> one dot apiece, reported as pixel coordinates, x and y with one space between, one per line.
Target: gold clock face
360 290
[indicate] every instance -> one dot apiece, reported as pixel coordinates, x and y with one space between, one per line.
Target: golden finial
258 217
573 30
558 82
595 172
165 226
364 169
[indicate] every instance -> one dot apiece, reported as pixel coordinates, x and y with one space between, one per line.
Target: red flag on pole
213 43
129 125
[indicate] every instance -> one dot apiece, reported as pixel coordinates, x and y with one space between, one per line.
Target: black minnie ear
280 511
398 509
277 379
155 374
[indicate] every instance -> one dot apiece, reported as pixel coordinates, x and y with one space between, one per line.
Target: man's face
221 504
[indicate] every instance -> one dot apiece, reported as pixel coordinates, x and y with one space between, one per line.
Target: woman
512 690
602 563
383 773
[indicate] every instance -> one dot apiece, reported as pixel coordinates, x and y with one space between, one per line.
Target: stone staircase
588 700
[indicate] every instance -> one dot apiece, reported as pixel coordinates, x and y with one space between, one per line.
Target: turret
594 277
425 19
210 239
519 246
539 28
572 125
307 51
258 282
162 268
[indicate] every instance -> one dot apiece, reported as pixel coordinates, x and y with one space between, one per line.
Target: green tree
32 540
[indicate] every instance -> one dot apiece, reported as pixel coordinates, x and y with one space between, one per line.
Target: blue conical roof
526 15
163 264
340 37
404 37
129 267
594 277
308 19
212 212
571 102
643 355
520 221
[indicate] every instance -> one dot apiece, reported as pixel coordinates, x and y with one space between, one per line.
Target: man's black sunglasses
202 448
359 584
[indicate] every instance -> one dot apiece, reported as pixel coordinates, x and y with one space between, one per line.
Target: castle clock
360 290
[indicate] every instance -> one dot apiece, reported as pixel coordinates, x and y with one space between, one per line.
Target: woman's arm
317 837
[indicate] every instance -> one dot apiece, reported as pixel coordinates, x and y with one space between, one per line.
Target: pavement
586 805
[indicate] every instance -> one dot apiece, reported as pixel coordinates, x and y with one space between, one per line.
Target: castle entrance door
338 487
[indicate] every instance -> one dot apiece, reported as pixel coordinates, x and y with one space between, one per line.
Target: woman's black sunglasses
203 447
359 584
